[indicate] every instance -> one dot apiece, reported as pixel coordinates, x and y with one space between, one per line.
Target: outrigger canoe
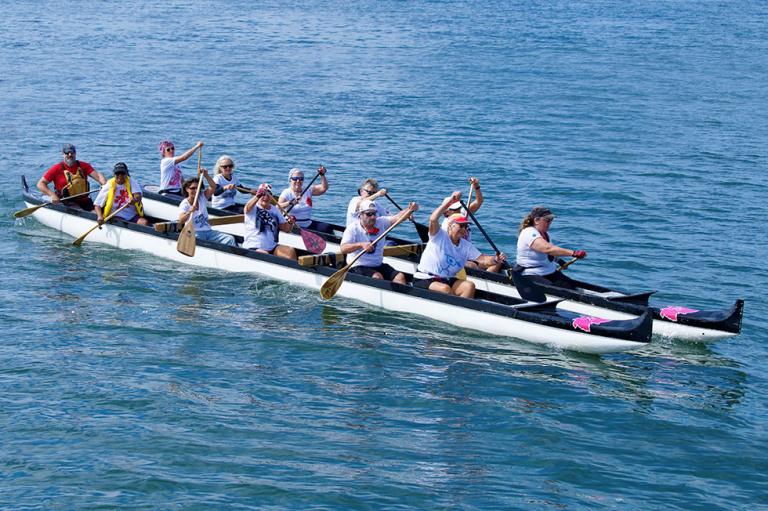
672 321
540 323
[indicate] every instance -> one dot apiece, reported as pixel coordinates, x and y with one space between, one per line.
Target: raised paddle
421 229
480 227
79 240
28 211
331 286
186 243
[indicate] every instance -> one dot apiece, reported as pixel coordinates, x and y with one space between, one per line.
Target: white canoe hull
159 209
458 316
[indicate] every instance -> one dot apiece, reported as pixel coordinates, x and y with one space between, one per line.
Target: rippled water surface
128 382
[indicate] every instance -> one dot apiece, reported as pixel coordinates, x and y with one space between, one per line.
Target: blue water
133 383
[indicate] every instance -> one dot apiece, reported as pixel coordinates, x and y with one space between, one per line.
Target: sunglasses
230 166
170 149
463 226
297 179
370 213
69 153
370 192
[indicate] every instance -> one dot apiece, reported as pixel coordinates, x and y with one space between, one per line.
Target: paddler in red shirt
70 177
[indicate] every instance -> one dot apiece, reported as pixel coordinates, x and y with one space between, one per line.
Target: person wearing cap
301 204
118 191
198 210
70 177
359 235
446 254
368 190
171 177
456 208
227 184
536 254
263 224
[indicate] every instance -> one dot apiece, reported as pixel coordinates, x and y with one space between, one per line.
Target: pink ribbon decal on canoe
672 312
585 322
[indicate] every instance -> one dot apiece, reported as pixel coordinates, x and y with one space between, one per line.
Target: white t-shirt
353 215
170 174
261 228
446 222
200 216
303 210
121 197
442 258
356 233
537 263
227 198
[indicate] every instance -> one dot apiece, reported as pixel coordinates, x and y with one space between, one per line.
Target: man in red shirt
69 177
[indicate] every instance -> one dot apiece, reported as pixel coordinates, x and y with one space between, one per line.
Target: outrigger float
540 323
671 321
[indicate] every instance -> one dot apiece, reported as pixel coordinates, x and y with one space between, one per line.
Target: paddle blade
313 242
79 240
331 286
423 231
28 211
187 243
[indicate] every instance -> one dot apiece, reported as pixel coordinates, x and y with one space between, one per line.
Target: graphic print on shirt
121 197
175 181
265 221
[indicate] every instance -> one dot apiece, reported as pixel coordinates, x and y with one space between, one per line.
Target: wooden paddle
421 229
187 243
221 220
28 211
567 264
331 286
79 240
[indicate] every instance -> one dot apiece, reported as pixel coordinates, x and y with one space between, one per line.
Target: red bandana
375 230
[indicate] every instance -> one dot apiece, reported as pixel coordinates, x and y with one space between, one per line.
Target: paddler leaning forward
359 235
446 254
119 190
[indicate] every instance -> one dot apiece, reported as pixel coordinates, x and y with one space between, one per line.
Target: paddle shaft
567 264
186 242
290 207
28 211
79 240
480 227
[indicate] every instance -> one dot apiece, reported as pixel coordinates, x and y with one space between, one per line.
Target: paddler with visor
537 254
69 178
117 192
447 252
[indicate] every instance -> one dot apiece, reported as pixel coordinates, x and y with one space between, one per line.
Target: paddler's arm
211 184
98 176
478 200
490 260
545 247
323 186
436 217
99 214
188 154
42 185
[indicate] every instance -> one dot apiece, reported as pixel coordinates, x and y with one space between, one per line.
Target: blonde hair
527 222
222 158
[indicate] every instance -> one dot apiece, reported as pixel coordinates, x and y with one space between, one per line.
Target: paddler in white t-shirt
536 253
359 235
446 254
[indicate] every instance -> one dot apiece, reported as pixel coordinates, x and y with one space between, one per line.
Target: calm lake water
128 382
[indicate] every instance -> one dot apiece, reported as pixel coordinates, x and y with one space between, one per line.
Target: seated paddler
263 223
118 191
447 252
69 178
195 206
359 236
537 254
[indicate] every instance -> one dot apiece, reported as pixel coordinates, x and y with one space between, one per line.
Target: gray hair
222 158
370 181
293 171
